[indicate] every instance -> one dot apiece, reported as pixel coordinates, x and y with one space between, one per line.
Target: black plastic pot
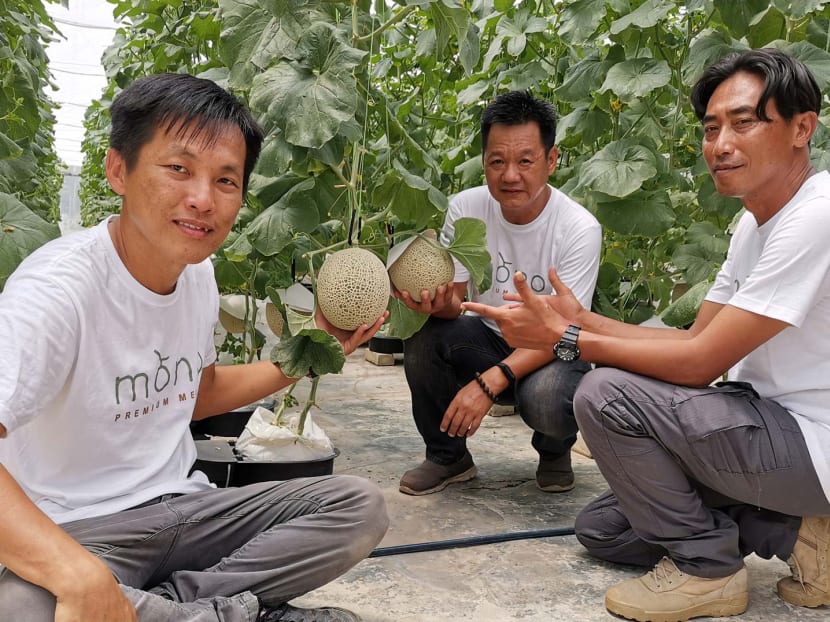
229 424
224 467
386 345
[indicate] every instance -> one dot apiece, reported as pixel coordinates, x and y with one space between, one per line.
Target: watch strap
508 373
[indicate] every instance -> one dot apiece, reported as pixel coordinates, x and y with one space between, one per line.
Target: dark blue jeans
445 355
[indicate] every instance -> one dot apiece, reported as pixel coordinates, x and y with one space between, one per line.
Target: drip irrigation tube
439 545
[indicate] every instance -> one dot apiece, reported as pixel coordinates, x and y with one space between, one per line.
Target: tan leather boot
809 585
666 594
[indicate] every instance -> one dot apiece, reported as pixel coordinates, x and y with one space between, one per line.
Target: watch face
566 352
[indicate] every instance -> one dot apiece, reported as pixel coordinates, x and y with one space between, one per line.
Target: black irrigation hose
439 545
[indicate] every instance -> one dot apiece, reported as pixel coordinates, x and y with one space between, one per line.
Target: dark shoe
429 477
555 475
289 613
809 585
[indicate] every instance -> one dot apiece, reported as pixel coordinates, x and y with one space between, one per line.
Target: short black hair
518 108
181 101
787 81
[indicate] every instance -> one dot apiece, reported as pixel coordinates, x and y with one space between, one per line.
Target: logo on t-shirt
132 388
504 274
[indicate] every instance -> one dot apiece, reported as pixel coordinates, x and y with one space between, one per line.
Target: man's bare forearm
36 549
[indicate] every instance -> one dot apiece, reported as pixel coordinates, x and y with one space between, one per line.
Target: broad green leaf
469 246
403 322
645 214
472 94
585 76
714 203
583 123
636 77
707 49
580 20
767 26
21 232
311 98
257 33
645 16
238 250
515 30
310 349
298 321
738 15
470 48
619 168
683 311
816 59
8 148
272 230
411 198
799 8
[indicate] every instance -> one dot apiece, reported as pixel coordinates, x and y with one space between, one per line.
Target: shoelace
665 570
795 568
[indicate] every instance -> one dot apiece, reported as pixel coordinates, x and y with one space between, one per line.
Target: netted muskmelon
273 318
423 265
352 288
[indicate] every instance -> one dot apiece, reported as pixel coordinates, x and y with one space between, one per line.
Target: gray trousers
702 475
211 556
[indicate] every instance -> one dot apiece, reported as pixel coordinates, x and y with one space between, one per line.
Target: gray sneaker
555 475
289 613
429 477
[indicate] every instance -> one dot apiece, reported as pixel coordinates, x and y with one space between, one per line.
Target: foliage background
30 171
372 114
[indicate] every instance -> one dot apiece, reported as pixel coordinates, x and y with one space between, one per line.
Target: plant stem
309 403
284 402
397 17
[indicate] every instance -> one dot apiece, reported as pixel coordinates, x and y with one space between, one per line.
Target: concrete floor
365 411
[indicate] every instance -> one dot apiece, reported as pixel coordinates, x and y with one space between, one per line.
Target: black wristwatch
566 349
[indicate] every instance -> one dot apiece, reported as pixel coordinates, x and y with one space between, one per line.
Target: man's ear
805 127
552 157
116 170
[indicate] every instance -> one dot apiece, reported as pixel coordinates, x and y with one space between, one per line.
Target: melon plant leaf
310 349
645 16
452 22
403 322
8 148
585 76
580 20
273 229
816 59
644 213
310 98
637 77
256 33
683 311
21 232
738 15
410 197
619 168
469 246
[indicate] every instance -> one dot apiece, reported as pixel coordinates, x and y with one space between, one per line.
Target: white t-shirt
99 378
782 270
564 236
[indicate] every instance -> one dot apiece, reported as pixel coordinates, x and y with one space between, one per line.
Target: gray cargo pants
703 475
209 556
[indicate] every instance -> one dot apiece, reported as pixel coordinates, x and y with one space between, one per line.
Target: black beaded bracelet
485 388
